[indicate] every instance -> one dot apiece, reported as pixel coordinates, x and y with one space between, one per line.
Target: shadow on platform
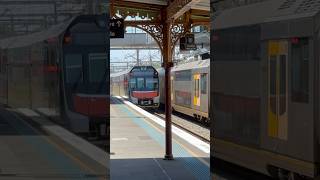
157 168
225 170
14 124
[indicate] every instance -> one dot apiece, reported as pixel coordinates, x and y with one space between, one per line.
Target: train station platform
137 147
32 147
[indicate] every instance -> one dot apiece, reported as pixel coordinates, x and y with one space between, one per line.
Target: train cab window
140 83
133 83
151 84
203 83
74 71
300 71
97 67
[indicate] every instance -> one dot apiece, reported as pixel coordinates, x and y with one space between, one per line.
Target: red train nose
91 105
144 94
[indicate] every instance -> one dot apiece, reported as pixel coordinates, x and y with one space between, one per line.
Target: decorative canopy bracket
152 19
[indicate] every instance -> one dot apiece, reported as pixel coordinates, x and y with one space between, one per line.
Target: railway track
187 124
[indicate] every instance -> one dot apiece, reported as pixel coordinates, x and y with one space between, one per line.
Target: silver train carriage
265 97
61 72
190 87
140 84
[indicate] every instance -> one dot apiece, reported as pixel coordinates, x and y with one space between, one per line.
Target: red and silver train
140 84
61 72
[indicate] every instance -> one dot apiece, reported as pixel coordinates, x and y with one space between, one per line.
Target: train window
183 75
97 67
183 98
73 68
151 84
140 83
300 71
203 83
133 83
96 38
237 44
196 87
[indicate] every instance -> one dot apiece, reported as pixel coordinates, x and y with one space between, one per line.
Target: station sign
187 43
117 28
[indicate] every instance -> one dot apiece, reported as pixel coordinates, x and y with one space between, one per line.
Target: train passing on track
265 98
140 84
61 72
190 87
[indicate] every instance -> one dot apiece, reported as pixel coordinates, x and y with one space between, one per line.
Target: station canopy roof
150 9
197 4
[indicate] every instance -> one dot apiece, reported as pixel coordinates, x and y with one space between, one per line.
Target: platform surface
137 146
28 152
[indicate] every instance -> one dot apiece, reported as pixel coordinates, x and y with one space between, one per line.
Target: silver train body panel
265 96
190 87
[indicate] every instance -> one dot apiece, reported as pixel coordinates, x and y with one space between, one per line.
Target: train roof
25 40
266 11
127 71
192 65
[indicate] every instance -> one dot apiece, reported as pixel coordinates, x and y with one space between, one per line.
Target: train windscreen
144 79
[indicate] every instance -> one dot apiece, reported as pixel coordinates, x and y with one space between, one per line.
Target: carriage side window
183 98
184 75
237 44
300 71
203 83
74 72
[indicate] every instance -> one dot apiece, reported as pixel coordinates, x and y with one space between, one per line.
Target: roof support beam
130 4
179 7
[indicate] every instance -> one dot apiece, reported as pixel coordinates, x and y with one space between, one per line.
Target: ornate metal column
167 62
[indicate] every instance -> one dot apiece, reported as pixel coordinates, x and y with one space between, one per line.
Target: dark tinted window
236 44
74 68
183 75
183 98
300 71
203 83
98 67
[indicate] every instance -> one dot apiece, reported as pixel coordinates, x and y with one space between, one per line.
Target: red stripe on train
144 94
90 105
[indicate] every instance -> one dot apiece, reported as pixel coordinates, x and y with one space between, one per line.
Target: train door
278 89
290 104
74 80
96 82
196 96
